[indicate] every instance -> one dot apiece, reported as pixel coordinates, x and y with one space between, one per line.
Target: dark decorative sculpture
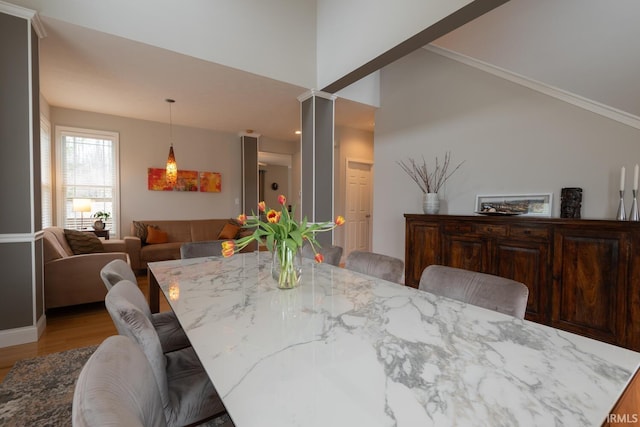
571 202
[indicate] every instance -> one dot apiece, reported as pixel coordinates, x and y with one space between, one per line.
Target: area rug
39 391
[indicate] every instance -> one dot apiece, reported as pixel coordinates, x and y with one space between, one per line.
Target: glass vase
286 267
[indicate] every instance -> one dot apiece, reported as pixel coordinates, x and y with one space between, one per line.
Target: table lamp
82 206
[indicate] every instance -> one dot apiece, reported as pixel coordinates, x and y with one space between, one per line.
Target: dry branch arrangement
429 182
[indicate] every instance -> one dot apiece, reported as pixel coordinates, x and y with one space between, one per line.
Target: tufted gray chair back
332 254
188 396
116 271
170 333
116 387
378 265
200 249
484 290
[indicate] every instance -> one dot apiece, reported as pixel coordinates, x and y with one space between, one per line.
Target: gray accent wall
15 215
21 305
17 296
35 129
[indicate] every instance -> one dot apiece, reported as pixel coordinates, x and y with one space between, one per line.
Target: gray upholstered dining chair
116 387
200 249
115 271
484 290
332 254
188 396
378 265
170 333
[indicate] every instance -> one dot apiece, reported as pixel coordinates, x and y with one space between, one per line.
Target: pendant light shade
171 174
172 168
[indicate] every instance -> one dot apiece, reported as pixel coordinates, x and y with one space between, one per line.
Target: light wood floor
68 328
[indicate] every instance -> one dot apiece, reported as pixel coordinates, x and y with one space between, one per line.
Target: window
45 173
88 169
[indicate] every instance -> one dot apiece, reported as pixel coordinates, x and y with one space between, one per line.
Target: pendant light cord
170 101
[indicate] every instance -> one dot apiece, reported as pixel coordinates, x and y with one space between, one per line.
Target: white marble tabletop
345 349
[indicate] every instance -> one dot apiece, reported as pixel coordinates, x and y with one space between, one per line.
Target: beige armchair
75 279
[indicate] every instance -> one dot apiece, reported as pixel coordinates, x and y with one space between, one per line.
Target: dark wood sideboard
583 275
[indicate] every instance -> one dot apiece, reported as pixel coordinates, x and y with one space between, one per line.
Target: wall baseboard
563 95
23 335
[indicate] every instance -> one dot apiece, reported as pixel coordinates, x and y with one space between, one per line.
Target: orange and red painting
210 182
156 180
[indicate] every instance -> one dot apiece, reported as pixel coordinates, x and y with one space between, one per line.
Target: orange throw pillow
228 232
155 235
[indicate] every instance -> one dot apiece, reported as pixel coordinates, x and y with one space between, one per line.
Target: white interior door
358 207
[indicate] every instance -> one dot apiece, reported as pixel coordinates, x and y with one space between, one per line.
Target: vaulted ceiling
586 47
589 48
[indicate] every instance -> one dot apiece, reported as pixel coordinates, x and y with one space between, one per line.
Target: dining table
347 349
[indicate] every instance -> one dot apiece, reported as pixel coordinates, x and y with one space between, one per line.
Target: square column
317 116
250 175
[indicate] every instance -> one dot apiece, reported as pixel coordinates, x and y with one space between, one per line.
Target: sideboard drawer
530 232
458 228
491 230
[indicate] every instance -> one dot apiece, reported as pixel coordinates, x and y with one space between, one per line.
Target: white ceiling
93 71
587 47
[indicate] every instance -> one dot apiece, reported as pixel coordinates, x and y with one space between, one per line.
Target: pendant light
172 168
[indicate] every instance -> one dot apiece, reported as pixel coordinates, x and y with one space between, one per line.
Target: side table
101 233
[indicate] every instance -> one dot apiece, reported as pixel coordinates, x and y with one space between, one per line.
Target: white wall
352 144
352 33
282 176
366 90
145 144
513 140
585 36
293 149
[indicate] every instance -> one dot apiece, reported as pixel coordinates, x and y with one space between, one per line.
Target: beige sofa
75 279
178 232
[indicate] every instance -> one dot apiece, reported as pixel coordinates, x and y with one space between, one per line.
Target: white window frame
46 173
60 198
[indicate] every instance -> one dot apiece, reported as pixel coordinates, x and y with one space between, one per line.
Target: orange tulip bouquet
283 237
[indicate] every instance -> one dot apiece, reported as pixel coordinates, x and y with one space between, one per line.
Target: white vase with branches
430 181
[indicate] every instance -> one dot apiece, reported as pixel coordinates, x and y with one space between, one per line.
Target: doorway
358 221
275 178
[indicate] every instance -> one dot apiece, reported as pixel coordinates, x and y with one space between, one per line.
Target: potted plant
102 216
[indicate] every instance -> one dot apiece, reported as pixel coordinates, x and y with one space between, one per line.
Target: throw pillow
140 230
155 235
229 231
82 242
